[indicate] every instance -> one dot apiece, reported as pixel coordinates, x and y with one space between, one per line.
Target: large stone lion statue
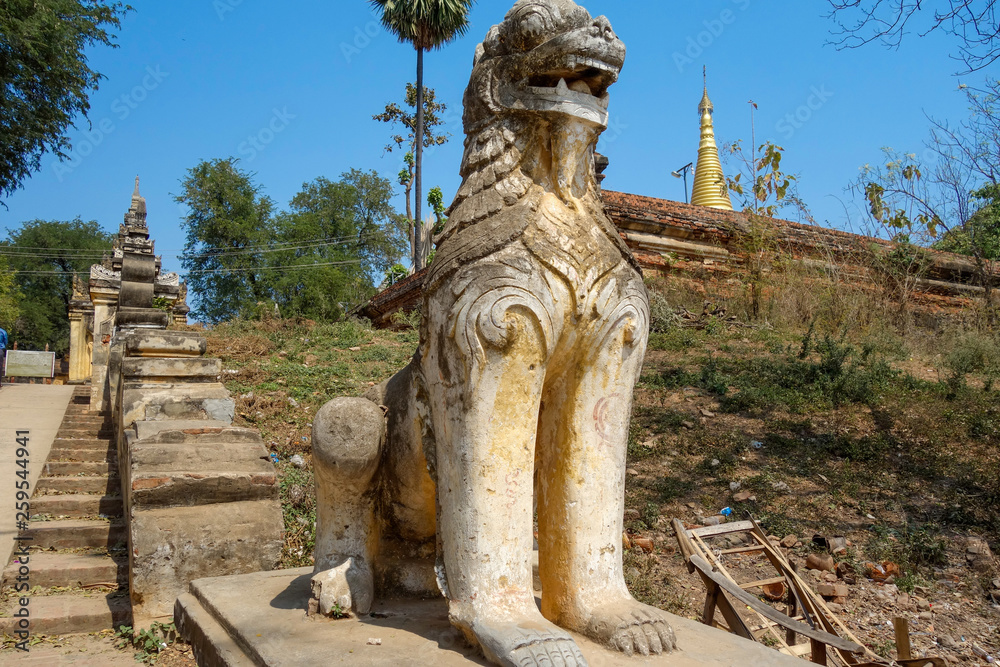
533 333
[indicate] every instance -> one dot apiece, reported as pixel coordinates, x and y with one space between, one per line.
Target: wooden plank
684 542
772 624
733 620
740 550
770 612
812 606
721 529
711 599
818 651
792 613
799 650
706 553
902 629
762 582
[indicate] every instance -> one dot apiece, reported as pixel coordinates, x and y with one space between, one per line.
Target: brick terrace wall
672 236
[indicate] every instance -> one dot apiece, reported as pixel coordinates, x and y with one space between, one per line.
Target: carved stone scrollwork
169 279
101 272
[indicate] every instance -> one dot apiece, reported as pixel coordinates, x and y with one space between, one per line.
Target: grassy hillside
889 439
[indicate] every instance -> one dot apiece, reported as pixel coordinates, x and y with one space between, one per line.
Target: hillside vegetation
886 435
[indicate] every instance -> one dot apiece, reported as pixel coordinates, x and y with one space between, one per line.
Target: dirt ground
91 650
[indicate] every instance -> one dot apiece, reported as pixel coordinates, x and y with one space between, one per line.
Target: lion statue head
536 104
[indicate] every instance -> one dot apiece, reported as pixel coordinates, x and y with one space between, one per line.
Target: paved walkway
38 409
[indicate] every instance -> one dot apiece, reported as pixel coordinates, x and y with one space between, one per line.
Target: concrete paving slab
263 614
38 409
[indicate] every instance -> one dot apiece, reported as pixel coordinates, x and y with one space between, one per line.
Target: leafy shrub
910 547
971 352
865 449
840 375
670 487
149 642
662 317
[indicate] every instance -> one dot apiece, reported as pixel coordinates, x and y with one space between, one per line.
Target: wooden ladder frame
827 635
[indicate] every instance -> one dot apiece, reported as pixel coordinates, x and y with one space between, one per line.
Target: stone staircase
78 555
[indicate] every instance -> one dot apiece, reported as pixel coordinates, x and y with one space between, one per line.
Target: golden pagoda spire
709 181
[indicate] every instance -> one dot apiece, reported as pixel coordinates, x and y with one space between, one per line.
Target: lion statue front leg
517 384
582 441
484 367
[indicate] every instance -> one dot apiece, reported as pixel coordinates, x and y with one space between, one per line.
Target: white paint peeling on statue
535 326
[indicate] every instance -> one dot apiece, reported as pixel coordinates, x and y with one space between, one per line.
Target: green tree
949 195
44 76
982 232
10 296
318 259
337 240
395 114
435 199
426 24
763 189
228 225
46 255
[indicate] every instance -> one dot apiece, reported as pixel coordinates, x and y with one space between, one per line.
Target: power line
205 271
273 268
11 250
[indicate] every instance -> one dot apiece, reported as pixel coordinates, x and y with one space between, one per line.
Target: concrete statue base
260 619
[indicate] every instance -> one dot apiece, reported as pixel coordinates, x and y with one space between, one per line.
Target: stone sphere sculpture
534 327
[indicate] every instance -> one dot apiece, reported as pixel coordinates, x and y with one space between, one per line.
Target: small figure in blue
3 353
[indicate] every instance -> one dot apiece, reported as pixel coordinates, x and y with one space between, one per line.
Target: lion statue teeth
534 327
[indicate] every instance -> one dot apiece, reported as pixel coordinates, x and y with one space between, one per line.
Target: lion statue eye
532 28
534 24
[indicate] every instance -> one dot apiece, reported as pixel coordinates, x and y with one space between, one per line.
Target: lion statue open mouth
534 327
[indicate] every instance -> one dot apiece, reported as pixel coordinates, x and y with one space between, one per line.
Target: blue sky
290 89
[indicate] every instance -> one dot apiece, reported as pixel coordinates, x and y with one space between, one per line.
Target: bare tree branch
972 22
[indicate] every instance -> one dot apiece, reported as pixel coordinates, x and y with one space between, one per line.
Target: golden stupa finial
709 181
705 104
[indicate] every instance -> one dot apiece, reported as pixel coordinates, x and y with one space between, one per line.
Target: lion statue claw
534 327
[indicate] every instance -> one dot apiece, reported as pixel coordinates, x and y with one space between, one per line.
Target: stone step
75 534
85 417
63 454
61 442
69 570
71 614
75 484
84 414
85 432
77 505
57 468
76 424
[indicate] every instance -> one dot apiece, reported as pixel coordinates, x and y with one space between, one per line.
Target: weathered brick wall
670 236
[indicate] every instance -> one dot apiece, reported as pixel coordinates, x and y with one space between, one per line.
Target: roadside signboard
25 364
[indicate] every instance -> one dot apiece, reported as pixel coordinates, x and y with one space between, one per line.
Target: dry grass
883 431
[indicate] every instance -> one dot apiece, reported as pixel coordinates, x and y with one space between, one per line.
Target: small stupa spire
709 182
136 214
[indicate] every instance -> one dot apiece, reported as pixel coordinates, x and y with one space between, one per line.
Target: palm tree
427 24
